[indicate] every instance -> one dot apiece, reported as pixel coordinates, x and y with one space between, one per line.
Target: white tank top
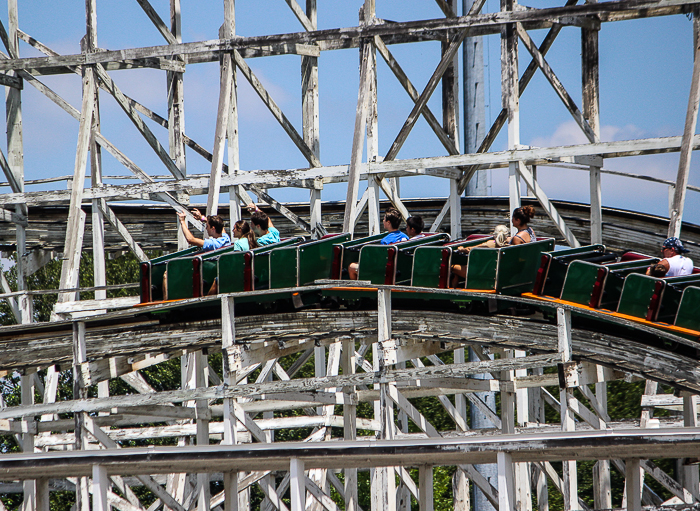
679 265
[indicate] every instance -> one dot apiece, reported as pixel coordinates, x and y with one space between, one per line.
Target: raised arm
186 231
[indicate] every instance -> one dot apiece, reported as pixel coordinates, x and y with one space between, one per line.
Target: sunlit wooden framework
516 375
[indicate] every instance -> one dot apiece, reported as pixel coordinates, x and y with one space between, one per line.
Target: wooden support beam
297 485
100 488
157 21
276 111
556 84
131 113
307 23
502 116
357 141
76 217
425 478
303 384
633 485
506 493
547 205
691 119
445 62
121 229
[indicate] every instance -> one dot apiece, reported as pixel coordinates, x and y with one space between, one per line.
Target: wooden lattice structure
241 417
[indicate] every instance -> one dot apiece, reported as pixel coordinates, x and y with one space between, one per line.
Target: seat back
688 315
191 277
250 270
507 270
348 252
385 264
431 264
302 264
151 274
553 267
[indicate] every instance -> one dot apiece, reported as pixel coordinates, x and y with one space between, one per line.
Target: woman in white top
674 260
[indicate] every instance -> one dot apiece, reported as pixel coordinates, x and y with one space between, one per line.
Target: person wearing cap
674 260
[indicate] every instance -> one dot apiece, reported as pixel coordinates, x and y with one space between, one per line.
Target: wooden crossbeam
275 110
410 31
556 83
455 370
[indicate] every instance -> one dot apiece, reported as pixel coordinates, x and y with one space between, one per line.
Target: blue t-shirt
393 237
214 243
241 244
272 236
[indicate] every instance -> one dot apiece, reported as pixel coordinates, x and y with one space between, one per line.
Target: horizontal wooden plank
409 31
580 445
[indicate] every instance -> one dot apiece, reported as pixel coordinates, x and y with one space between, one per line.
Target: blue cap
675 244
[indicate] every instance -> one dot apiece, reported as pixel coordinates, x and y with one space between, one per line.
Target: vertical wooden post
200 377
76 216
28 486
691 478
506 487
349 423
97 219
633 485
425 484
510 100
460 482
230 366
297 485
15 158
82 495
523 488
591 112
176 108
674 227
358 140
570 489
223 112
42 494
602 489
450 122
100 486
383 480
310 116
230 491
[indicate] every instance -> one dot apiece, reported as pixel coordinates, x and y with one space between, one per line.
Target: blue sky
645 73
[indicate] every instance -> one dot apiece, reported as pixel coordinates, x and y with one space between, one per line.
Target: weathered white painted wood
10 300
87 305
222 122
76 217
297 485
100 487
249 390
319 495
486 23
157 21
506 494
109 215
546 204
425 478
131 113
556 84
307 23
357 141
445 62
275 110
691 119
633 485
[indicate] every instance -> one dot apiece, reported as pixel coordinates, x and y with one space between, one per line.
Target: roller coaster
587 278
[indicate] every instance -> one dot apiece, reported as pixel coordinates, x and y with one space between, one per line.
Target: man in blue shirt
392 221
214 227
262 227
